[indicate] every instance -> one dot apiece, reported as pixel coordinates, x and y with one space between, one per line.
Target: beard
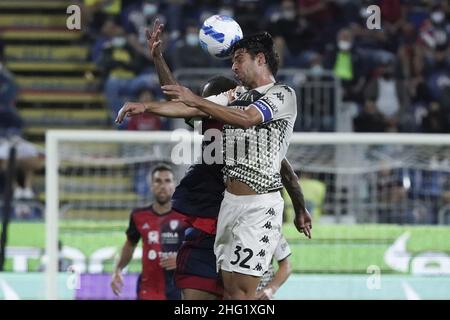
162 200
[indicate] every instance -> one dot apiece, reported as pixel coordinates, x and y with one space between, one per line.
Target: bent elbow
246 123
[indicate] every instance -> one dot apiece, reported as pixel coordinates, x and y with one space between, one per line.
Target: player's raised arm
170 110
154 42
236 117
167 109
302 218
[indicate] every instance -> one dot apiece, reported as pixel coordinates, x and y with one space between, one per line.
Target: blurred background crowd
347 77
398 76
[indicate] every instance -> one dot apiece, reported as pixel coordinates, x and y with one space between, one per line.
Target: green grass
333 248
352 248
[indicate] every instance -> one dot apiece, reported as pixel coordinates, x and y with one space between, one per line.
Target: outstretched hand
169 263
303 223
180 94
117 283
129 109
154 38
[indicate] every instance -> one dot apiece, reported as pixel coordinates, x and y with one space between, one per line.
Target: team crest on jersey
145 226
173 224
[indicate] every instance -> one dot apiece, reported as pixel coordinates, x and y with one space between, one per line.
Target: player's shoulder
280 96
281 87
141 210
175 215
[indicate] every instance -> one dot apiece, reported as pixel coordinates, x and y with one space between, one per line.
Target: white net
99 184
382 183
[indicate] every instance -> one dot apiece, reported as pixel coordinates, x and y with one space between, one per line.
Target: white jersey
254 155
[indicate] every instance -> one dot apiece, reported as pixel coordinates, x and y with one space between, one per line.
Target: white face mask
191 39
344 45
316 70
226 12
437 17
149 9
363 13
118 42
288 14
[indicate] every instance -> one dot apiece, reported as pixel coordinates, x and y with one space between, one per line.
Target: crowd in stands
396 77
29 159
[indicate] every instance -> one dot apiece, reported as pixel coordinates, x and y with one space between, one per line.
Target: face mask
288 14
344 45
226 12
363 13
437 17
316 70
149 9
191 39
118 42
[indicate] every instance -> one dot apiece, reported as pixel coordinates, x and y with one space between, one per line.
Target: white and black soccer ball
218 34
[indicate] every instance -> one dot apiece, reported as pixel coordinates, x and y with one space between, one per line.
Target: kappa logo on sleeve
279 95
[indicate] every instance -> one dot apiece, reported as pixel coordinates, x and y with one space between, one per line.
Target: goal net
364 191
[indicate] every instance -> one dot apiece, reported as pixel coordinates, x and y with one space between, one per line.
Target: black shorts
196 263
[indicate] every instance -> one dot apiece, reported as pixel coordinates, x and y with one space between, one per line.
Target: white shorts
248 231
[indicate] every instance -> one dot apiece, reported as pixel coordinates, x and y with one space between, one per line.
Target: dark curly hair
260 42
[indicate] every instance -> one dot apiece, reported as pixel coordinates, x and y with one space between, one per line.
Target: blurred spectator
291 37
436 120
320 16
444 203
348 65
121 65
146 121
434 31
427 185
370 119
188 53
432 48
107 32
375 45
393 17
392 198
96 12
248 14
437 75
29 159
174 10
389 94
137 19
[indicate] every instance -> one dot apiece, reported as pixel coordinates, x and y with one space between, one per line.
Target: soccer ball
218 34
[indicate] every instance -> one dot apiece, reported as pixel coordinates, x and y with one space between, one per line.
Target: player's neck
264 80
162 208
